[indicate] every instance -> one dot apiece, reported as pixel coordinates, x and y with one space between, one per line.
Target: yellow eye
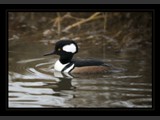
59 49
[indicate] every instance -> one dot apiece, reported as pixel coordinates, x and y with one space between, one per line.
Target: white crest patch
70 48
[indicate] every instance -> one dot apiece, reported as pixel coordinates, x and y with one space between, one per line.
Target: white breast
59 66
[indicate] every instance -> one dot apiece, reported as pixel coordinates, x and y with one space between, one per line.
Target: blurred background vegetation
119 30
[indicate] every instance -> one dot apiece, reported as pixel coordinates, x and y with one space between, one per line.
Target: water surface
34 84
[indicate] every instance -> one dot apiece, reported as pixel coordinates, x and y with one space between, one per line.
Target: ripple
30 60
134 89
43 64
33 74
125 77
120 104
18 87
23 101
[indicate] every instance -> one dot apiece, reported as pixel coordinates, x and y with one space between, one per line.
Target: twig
92 17
105 21
59 25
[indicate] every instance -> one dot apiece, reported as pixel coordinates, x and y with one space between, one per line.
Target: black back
88 62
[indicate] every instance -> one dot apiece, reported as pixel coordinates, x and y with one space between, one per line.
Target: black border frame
80 2
80 111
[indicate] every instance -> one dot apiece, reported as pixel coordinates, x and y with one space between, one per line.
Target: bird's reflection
64 82
63 75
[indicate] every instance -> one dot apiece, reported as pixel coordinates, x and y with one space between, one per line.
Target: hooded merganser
66 50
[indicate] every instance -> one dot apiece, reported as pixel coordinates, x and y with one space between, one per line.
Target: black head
65 49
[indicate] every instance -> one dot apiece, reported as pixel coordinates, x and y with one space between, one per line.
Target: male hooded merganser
66 50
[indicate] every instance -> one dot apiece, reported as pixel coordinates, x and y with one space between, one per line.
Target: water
34 84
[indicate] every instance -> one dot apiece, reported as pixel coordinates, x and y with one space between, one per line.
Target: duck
66 49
